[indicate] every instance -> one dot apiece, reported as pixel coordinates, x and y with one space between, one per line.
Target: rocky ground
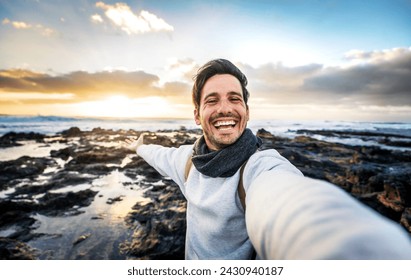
154 226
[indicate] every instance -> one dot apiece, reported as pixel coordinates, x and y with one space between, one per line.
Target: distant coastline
56 118
380 134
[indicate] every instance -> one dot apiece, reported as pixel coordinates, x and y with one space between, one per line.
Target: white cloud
44 31
121 15
155 23
35 96
377 78
17 24
21 25
182 70
359 56
96 18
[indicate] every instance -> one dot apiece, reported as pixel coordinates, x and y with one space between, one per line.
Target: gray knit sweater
216 226
288 216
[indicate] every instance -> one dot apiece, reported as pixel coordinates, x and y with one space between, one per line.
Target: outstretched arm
294 217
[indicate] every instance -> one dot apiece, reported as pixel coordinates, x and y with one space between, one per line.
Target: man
217 227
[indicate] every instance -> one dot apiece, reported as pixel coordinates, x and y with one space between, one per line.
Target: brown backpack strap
188 167
241 190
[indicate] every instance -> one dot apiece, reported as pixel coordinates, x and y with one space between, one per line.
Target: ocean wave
12 119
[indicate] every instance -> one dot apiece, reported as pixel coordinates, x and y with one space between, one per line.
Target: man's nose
224 106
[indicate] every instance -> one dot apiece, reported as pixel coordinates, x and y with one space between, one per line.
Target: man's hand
133 144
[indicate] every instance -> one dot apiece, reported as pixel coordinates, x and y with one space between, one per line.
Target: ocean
350 133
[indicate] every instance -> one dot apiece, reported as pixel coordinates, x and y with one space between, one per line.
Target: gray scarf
225 162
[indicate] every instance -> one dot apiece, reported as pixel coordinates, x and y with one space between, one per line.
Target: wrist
138 147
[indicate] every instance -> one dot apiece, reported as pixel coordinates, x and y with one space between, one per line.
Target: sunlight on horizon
120 106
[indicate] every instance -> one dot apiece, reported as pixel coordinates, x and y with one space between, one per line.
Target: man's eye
235 99
211 101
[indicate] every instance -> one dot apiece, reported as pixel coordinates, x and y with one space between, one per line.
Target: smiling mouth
225 125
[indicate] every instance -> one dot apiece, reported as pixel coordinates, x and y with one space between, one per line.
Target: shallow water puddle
31 149
98 231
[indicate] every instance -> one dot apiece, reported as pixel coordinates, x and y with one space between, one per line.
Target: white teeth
221 123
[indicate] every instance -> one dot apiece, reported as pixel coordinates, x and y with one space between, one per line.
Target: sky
344 60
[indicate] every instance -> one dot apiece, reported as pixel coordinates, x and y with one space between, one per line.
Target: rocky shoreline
86 197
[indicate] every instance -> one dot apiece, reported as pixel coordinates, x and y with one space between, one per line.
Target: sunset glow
338 60
123 107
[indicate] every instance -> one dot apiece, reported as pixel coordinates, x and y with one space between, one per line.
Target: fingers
129 141
125 143
134 138
132 143
142 135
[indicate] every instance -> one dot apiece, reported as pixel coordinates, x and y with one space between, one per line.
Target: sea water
51 125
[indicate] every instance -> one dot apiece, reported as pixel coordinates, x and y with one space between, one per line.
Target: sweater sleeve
264 161
294 217
167 161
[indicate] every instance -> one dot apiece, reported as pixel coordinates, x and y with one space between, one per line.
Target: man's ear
248 114
197 117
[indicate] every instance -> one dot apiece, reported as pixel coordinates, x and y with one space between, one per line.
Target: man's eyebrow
211 94
236 93
215 94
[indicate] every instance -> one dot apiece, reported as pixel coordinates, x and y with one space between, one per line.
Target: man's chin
225 141
219 139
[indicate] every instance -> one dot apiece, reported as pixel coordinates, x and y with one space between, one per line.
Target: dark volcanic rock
52 204
72 132
23 167
140 166
406 219
159 226
64 154
11 249
10 139
81 238
17 214
91 159
379 178
85 160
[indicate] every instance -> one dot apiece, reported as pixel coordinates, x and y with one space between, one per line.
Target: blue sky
339 60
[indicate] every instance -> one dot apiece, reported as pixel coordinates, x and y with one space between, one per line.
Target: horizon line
189 119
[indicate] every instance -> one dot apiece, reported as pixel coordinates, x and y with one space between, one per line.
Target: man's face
222 114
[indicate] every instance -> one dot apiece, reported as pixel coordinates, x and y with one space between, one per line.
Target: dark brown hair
217 67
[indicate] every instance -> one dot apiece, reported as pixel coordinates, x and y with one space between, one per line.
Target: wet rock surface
159 226
34 186
66 183
380 178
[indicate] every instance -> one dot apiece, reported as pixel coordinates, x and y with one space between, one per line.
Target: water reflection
101 223
30 148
